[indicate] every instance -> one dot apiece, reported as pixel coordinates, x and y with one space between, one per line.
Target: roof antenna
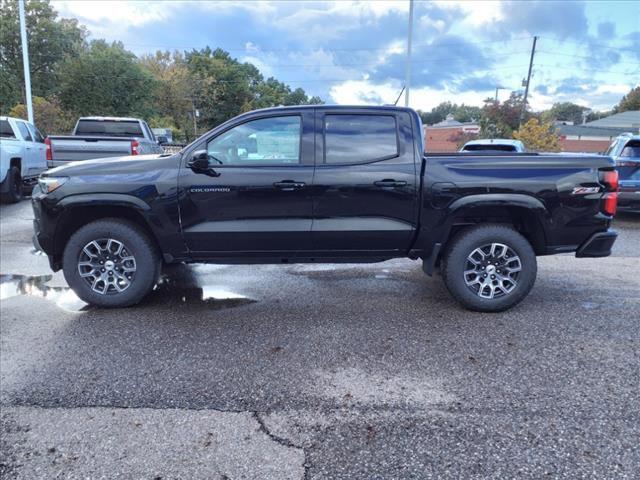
401 92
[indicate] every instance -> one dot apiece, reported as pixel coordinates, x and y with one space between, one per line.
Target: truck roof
494 141
333 107
112 119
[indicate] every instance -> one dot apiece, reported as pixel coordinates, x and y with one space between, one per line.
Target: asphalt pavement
319 371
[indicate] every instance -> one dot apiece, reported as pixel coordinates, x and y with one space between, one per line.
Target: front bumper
629 201
598 245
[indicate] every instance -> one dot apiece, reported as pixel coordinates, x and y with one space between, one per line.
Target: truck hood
107 165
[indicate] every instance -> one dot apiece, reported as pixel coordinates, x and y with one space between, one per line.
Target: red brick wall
437 139
592 146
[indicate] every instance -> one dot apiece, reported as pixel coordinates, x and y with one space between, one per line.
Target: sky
352 52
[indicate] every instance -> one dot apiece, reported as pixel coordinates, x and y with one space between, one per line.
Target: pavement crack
283 441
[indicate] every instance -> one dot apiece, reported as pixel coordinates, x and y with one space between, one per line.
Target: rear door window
5 129
24 131
360 138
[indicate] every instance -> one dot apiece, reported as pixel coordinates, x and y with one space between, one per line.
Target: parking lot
315 371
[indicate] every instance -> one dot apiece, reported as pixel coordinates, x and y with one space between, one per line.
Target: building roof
630 120
589 130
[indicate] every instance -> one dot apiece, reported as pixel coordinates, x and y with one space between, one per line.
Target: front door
365 185
256 198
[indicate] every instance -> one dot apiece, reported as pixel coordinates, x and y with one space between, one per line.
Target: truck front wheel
489 268
12 189
111 263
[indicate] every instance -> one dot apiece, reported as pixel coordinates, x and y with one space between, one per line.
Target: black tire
135 243
456 263
13 185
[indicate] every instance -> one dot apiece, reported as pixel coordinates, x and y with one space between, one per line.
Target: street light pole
407 81
25 61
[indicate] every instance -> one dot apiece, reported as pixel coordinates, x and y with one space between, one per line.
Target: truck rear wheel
13 186
111 263
489 268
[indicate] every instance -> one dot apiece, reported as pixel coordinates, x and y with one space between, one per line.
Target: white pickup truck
103 137
22 157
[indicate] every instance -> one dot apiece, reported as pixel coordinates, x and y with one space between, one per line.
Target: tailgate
71 149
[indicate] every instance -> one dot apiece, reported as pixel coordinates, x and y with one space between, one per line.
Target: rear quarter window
360 138
5 130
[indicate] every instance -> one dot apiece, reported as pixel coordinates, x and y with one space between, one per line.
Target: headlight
49 184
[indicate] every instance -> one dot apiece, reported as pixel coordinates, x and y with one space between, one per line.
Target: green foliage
51 40
566 111
106 80
461 113
50 118
631 101
538 136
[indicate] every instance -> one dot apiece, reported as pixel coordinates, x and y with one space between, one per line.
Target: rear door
37 159
365 185
256 200
30 150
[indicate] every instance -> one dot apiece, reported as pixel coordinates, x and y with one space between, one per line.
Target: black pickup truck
323 184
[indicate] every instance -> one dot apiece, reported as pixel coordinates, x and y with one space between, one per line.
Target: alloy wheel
107 266
492 270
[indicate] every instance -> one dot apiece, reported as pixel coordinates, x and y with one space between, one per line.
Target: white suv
22 157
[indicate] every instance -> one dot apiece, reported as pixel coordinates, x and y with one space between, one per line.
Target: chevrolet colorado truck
323 184
103 137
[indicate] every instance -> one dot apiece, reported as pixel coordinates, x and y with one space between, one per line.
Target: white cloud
365 92
477 12
113 17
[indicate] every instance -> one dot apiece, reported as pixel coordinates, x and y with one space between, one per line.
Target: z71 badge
585 190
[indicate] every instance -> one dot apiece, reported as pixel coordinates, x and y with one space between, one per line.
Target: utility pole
407 81
25 61
526 88
195 121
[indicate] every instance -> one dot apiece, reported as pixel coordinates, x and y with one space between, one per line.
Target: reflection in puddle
179 285
34 286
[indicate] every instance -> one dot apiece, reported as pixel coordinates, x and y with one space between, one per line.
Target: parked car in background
103 137
494 145
22 157
625 151
323 184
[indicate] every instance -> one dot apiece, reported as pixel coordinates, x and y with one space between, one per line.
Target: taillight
134 147
610 203
49 153
609 179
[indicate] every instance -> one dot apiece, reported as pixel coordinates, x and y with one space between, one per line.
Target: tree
106 80
566 111
51 40
172 94
461 113
499 120
50 118
631 101
538 136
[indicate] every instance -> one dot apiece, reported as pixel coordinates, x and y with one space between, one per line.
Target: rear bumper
598 245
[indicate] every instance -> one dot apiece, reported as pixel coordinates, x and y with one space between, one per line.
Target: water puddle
180 286
35 286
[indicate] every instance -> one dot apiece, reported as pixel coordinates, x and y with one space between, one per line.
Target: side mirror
162 140
199 161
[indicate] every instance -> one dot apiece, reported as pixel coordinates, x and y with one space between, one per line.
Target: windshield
489 147
115 128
